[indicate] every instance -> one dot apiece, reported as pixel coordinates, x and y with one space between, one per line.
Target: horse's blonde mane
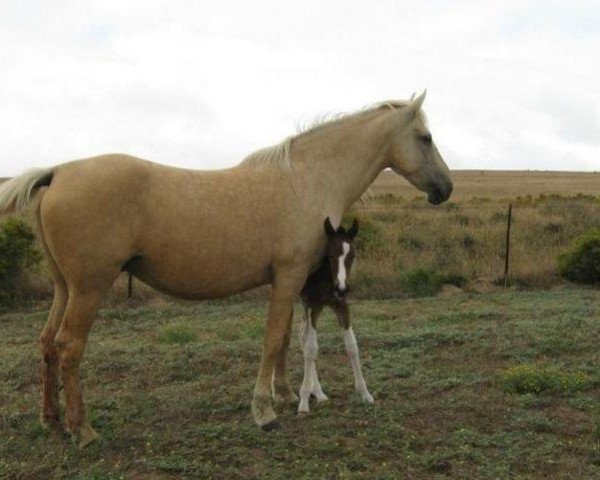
279 155
276 155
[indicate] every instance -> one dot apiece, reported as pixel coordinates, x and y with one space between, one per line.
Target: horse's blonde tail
16 193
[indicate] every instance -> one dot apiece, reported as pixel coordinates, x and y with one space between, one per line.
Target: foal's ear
329 230
353 230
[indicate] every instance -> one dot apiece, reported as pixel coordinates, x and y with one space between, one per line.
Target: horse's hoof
50 422
262 411
285 399
86 436
273 425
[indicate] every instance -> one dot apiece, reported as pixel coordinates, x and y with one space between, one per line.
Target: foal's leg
70 343
343 315
282 393
316 389
310 348
50 409
283 294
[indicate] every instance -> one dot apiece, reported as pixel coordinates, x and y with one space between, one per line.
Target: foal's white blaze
341 276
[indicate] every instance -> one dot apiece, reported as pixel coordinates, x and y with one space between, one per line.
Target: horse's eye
426 139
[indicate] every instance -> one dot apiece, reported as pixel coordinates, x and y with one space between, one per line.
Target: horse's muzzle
439 194
340 293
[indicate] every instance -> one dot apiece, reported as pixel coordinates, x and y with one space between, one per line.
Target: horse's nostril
435 197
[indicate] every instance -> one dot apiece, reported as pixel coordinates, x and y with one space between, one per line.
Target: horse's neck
340 161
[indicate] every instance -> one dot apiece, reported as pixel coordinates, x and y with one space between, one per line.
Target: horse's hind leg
49 415
50 408
70 343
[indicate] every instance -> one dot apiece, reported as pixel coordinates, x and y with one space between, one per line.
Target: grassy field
500 184
497 385
464 239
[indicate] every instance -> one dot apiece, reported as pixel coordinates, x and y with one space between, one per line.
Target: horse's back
179 230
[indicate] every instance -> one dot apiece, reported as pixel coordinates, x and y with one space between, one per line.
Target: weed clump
581 261
17 254
536 379
424 282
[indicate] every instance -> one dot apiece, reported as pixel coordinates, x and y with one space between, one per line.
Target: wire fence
500 212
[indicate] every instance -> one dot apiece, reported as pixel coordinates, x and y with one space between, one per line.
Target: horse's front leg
284 292
70 344
282 393
343 315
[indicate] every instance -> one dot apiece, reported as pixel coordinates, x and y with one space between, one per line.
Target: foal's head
340 255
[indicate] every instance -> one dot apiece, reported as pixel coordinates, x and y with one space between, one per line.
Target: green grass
168 388
177 334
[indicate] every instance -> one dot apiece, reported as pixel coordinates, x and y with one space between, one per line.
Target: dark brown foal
328 286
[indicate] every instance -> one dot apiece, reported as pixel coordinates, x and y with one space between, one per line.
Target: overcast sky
511 84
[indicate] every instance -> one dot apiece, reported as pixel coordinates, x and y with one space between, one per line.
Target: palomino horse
180 230
328 286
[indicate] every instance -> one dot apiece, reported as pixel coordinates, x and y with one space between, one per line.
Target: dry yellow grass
465 238
498 184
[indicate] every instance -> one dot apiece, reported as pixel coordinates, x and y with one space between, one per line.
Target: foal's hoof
273 425
368 398
321 397
303 408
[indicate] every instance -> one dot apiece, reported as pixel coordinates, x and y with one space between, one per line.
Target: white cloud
201 84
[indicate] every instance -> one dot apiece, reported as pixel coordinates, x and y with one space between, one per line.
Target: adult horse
206 234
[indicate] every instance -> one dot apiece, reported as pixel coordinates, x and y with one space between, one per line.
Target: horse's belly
200 280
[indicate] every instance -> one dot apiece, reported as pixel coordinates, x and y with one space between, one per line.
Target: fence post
129 285
506 256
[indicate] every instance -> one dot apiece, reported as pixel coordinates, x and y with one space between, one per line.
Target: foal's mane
279 155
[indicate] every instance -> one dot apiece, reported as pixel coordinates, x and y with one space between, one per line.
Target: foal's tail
16 193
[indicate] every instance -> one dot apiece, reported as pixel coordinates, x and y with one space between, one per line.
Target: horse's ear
418 102
414 105
329 230
353 230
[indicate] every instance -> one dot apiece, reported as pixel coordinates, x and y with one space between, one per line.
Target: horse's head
415 156
340 255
